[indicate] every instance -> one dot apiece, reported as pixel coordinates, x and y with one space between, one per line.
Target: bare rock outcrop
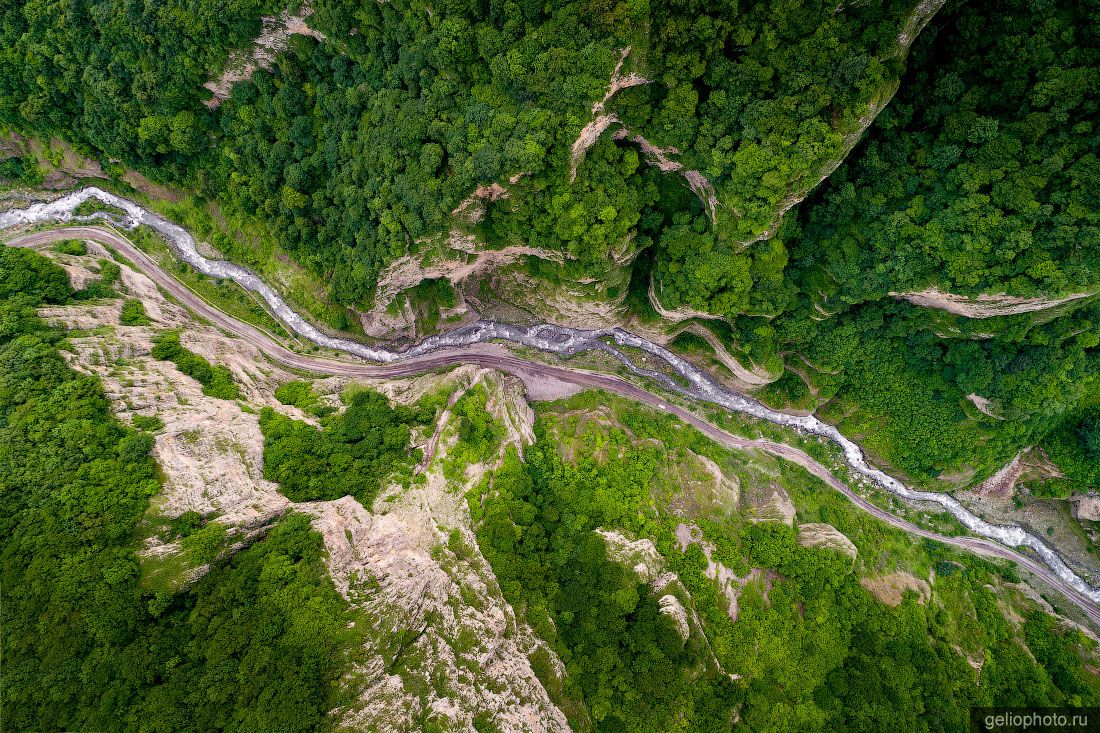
672 608
776 506
640 555
676 315
1028 463
730 583
210 450
984 406
754 377
448 643
455 256
673 598
472 209
985 305
825 536
655 155
591 132
726 490
62 165
1086 507
586 138
444 645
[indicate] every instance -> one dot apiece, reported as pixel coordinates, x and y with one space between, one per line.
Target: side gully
696 385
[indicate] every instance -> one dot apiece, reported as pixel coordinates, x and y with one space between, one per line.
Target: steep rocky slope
444 645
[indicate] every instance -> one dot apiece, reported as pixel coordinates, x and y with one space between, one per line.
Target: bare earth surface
413 564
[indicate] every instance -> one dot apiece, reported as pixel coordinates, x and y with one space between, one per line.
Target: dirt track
496 357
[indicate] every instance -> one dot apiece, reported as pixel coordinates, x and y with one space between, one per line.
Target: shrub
216 380
133 314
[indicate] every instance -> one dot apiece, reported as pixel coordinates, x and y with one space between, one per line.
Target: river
561 340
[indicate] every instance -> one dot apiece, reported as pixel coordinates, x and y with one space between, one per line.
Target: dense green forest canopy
124 79
354 147
355 153
256 644
975 179
982 175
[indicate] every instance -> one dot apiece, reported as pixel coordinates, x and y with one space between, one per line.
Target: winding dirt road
496 357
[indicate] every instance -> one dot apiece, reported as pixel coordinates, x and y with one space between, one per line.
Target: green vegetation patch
148 423
216 380
95 206
428 298
75 247
301 395
133 314
354 452
22 171
479 435
225 295
972 181
981 176
169 572
625 660
104 285
27 277
809 640
1075 449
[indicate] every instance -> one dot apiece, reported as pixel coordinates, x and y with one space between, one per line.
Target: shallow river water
545 337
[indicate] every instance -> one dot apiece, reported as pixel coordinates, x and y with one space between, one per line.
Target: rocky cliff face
444 646
448 645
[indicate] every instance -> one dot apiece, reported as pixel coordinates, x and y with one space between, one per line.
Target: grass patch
249 243
74 247
148 423
225 295
300 394
169 572
95 206
479 435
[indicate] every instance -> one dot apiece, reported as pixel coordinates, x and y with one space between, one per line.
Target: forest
350 150
815 649
982 174
937 198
